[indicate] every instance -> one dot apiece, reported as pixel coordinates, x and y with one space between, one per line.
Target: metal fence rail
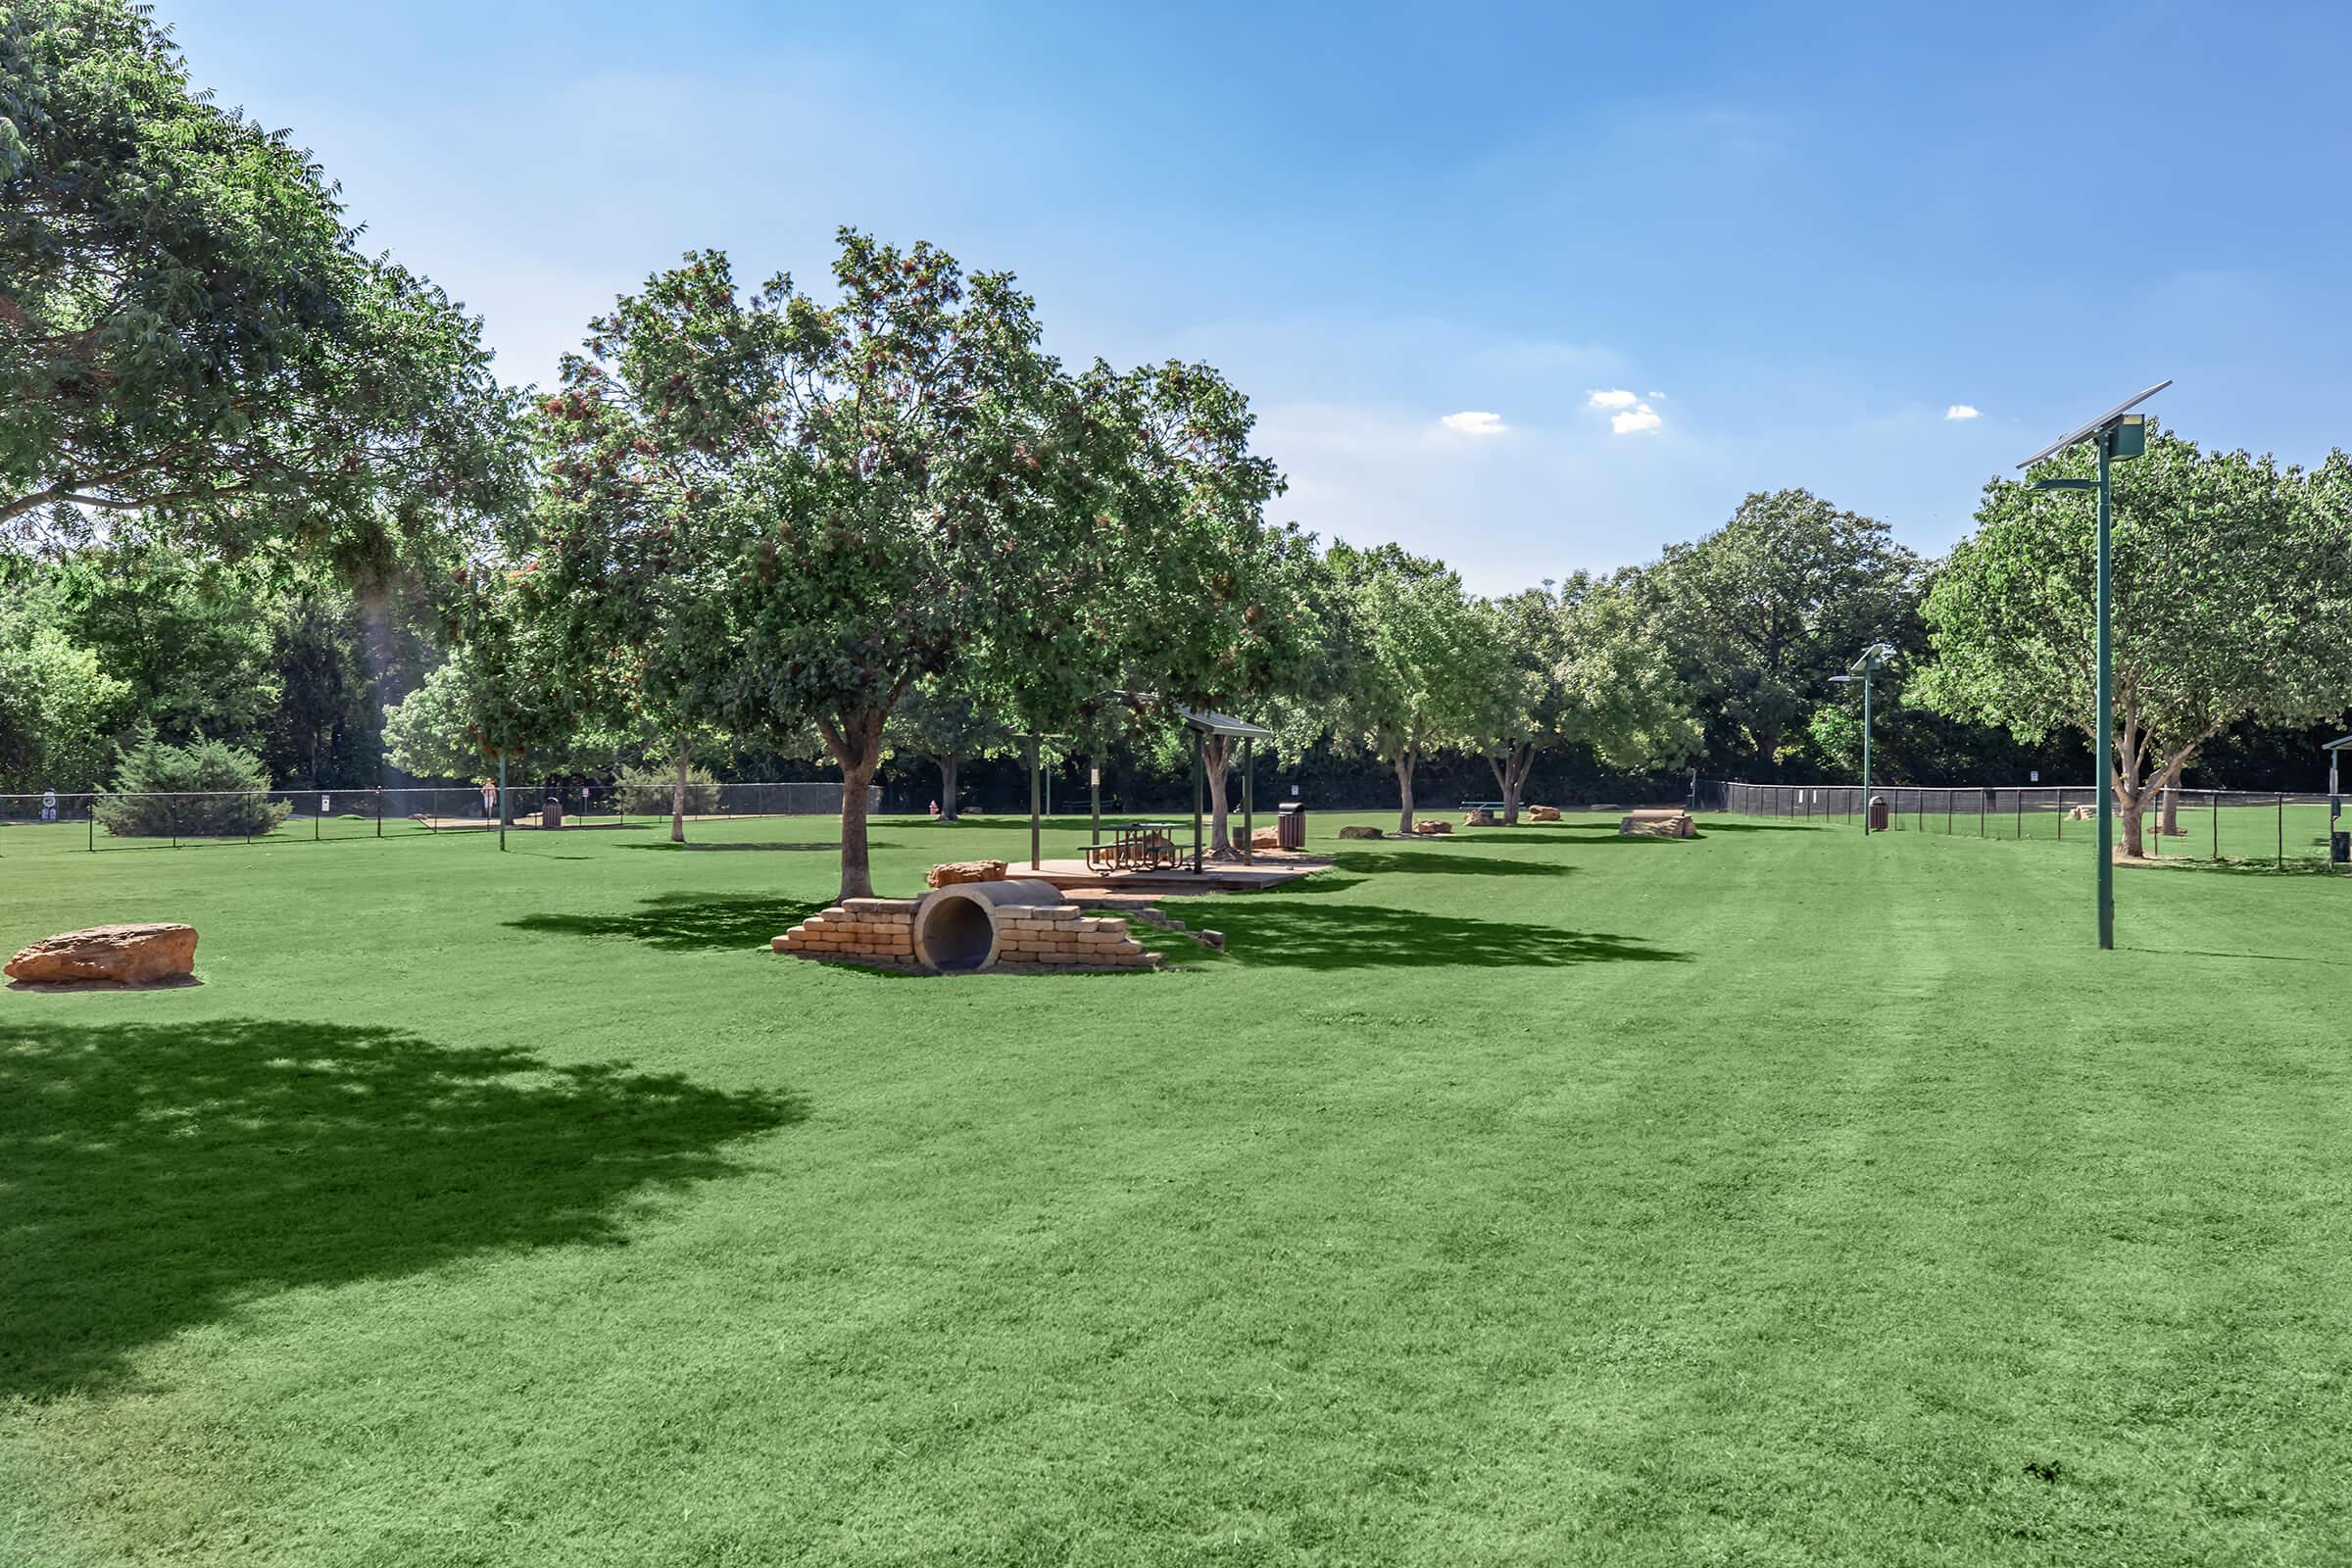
2219 826
105 819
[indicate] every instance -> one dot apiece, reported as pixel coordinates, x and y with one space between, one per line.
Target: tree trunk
1514 781
1404 791
677 796
2130 785
948 761
856 745
2168 821
1216 753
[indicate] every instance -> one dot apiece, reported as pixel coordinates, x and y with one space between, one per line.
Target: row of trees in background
259 488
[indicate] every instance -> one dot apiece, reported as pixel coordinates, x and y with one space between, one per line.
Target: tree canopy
2232 583
1771 604
191 341
1414 665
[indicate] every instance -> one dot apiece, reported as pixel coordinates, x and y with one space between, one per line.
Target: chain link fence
2223 826
110 820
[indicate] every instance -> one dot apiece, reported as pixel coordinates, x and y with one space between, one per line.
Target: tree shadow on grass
156 1177
684 922
1273 930
668 848
1376 861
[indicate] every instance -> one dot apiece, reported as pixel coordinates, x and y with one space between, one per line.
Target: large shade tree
59 708
1766 609
2232 599
1583 665
872 484
505 693
949 718
1212 608
191 341
1414 663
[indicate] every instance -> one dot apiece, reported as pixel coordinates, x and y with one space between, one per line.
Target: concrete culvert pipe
956 927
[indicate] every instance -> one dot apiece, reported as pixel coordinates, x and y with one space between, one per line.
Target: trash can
551 814
1289 824
2340 849
1878 813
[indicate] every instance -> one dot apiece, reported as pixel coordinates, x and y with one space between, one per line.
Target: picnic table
1135 847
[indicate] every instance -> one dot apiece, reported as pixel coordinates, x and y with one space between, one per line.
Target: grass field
1535 1197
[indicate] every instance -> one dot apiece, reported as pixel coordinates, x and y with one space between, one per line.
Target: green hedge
646 791
154 784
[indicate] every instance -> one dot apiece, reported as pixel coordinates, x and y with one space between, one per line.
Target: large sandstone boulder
1356 830
1543 814
955 871
116 955
1431 829
1657 825
1266 838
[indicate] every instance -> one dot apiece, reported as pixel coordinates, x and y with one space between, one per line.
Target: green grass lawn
1533 1196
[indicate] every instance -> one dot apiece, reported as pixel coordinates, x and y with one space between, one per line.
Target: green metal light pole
1874 658
2115 435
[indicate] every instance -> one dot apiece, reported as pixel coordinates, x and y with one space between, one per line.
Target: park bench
1135 847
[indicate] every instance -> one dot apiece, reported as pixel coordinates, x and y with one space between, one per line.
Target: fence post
1947 813
2281 830
2213 804
379 811
90 822
171 816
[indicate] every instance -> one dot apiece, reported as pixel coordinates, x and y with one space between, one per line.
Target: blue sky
1780 243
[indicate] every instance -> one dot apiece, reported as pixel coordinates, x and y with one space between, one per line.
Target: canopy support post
1249 821
1033 803
1200 784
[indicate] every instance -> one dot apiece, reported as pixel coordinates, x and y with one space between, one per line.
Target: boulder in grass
156 953
1355 830
1657 825
955 871
1543 814
1432 829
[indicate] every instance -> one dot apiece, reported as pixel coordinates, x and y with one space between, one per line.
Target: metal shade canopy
2342 745
2093 426
1205 723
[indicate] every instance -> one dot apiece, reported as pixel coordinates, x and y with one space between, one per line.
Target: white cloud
1961 410
1474 422
1627 413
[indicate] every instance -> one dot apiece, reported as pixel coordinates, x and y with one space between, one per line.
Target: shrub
646 790
153 779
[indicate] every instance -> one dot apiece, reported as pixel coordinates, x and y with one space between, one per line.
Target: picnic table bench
1135 847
